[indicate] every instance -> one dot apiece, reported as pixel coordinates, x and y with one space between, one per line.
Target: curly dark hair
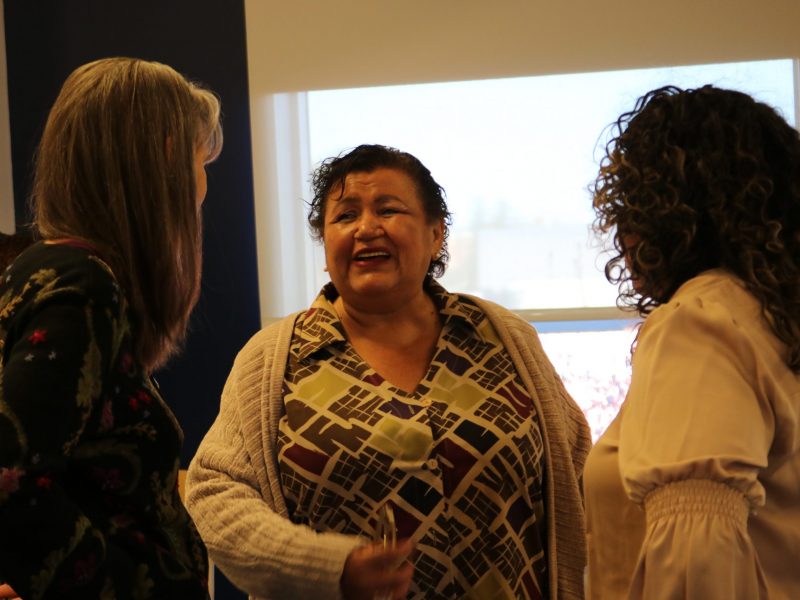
697 179
366 159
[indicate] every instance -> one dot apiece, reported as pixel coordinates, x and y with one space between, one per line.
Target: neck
397 343
396 324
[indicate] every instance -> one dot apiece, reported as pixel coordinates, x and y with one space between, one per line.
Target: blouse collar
320 326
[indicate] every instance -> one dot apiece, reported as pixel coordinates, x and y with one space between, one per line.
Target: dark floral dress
89 505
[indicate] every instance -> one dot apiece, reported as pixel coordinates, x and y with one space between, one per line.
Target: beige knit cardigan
234 490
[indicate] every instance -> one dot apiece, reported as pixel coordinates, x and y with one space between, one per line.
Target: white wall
316 44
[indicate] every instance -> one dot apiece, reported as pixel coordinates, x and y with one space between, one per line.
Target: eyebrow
380 199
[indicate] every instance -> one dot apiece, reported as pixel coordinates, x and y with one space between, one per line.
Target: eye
389 210
344 216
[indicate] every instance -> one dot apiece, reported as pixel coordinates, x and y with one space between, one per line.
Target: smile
367 256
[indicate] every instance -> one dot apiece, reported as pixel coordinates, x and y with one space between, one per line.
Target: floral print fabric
89 506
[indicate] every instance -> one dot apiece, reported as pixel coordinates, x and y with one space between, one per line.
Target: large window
516 157
592 359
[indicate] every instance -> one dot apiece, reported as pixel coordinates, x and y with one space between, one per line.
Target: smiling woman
378 239
379 245
392 392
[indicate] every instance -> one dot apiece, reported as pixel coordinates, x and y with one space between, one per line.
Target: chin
372 289
373 282
375 293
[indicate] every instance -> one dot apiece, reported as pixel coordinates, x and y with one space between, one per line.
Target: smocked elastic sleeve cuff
696 545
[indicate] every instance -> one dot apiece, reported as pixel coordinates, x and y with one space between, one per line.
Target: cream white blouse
694 490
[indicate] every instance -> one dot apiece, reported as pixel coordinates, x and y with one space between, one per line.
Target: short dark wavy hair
366 159
697 179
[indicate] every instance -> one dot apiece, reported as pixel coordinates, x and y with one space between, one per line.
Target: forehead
381 182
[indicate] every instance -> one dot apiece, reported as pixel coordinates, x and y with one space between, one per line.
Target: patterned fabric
89 451
460 459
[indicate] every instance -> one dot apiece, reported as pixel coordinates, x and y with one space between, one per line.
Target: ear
438 237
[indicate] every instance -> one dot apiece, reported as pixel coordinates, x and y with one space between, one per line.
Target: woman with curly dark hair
699 194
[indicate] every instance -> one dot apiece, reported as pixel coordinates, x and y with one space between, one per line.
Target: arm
51 376
696 433
233 494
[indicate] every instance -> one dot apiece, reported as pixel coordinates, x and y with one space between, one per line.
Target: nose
369 227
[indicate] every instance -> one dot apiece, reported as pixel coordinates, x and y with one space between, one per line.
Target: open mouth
371 256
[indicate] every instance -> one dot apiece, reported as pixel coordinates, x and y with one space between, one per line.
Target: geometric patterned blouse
89 451
459 460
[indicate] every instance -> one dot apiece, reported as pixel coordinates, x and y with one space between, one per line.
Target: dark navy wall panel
205 40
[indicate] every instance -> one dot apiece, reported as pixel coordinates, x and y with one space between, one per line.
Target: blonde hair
115 168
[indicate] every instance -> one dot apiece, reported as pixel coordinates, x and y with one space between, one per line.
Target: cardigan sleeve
697 430
230 496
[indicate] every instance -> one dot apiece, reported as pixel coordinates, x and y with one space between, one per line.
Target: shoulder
518 337
508 324
255 381
49 271
74 265
715 285
713 303
711 323
494 311
474 308
266 344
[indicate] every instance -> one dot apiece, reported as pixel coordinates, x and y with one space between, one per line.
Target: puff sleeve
697 431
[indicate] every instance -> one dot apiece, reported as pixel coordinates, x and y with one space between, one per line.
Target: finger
384 557
6 591
404 546
406 572
399 554
398 581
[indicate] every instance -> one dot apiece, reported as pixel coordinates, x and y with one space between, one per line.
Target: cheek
200 183
202 187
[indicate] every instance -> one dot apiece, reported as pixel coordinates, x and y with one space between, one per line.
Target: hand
7 592
373 571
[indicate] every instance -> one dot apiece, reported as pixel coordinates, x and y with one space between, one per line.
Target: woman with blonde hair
89 452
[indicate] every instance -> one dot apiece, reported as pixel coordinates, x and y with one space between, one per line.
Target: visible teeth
371 255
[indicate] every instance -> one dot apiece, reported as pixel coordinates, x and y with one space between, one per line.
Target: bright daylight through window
515 157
